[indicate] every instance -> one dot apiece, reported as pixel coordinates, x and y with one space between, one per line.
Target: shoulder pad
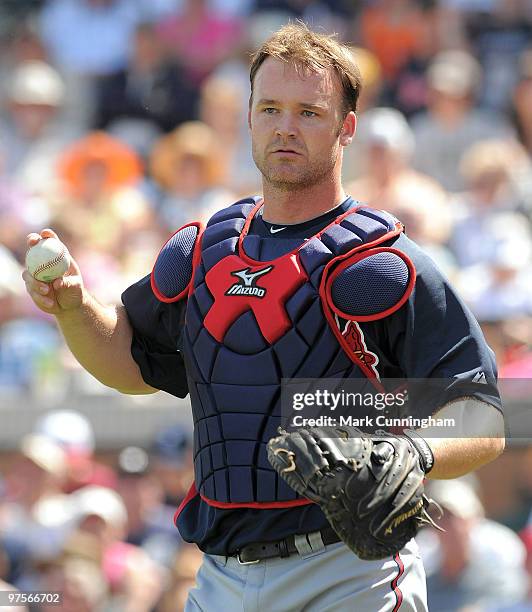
371 285
238 210
173 269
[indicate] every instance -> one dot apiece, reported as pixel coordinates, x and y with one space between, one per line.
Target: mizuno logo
403 517
248 279
480 378
274 230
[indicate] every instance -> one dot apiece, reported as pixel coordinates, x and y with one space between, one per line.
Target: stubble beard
296 179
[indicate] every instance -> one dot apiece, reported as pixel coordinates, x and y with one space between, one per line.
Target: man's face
297 125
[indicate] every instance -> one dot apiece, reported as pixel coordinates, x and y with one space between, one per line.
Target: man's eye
307 113
269 110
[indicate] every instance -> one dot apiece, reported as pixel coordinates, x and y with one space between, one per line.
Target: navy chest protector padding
251 323
371 287
172 272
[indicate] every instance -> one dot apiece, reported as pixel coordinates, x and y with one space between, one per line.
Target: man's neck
290 207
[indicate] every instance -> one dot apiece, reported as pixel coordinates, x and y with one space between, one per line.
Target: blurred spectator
395 30
101 206
190 166
149 521
98 164
526 605
522 101
511 341
500 291
22 45
171 454
135 580
301 8
223 107
86 39
31 135
152 88
73 432
371 73
12 13
10 287
182 578
153 10
101 512
487 213
79 582
76 573
89 36
498 32
388 182
518 357
36 476
29 344
200 38
475 561
491 241
452 123
20 213
408 91
329 15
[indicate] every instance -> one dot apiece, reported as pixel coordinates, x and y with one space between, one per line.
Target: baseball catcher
369 487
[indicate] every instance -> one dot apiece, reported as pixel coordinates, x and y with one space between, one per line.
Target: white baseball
48 259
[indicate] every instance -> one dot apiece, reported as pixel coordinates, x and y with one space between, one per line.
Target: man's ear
349 127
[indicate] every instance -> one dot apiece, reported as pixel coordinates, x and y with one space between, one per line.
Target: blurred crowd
101 533
121 120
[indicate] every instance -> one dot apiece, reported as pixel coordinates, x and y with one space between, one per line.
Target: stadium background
121 120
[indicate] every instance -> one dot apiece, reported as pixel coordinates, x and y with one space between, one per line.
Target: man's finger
33 238
34 285
48 233
42 301
65 282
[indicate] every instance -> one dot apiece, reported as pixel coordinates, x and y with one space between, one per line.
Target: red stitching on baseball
51 263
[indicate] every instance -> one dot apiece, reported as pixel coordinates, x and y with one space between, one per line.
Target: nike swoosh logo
275 230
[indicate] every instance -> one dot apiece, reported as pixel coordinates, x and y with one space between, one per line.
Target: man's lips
286 151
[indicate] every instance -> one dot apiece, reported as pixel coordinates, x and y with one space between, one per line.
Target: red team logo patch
357 343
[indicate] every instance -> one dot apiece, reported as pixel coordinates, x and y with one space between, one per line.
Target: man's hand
63 294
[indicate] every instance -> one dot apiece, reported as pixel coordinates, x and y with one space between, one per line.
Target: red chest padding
237 287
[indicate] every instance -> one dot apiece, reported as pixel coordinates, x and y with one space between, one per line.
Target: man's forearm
476 438
454 457
100 339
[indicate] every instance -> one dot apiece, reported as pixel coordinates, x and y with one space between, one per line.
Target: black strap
281 548
426 456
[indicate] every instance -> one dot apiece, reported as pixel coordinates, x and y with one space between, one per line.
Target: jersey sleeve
157 331
435 336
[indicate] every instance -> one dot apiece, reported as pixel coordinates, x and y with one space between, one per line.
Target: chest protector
250 323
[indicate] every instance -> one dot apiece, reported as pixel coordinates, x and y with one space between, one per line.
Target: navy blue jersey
433 335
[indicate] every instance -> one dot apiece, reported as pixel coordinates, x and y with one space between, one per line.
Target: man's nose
286 126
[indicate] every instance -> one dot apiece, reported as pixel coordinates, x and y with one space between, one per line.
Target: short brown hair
309 50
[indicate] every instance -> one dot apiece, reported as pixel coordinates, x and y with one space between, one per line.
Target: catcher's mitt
369 487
